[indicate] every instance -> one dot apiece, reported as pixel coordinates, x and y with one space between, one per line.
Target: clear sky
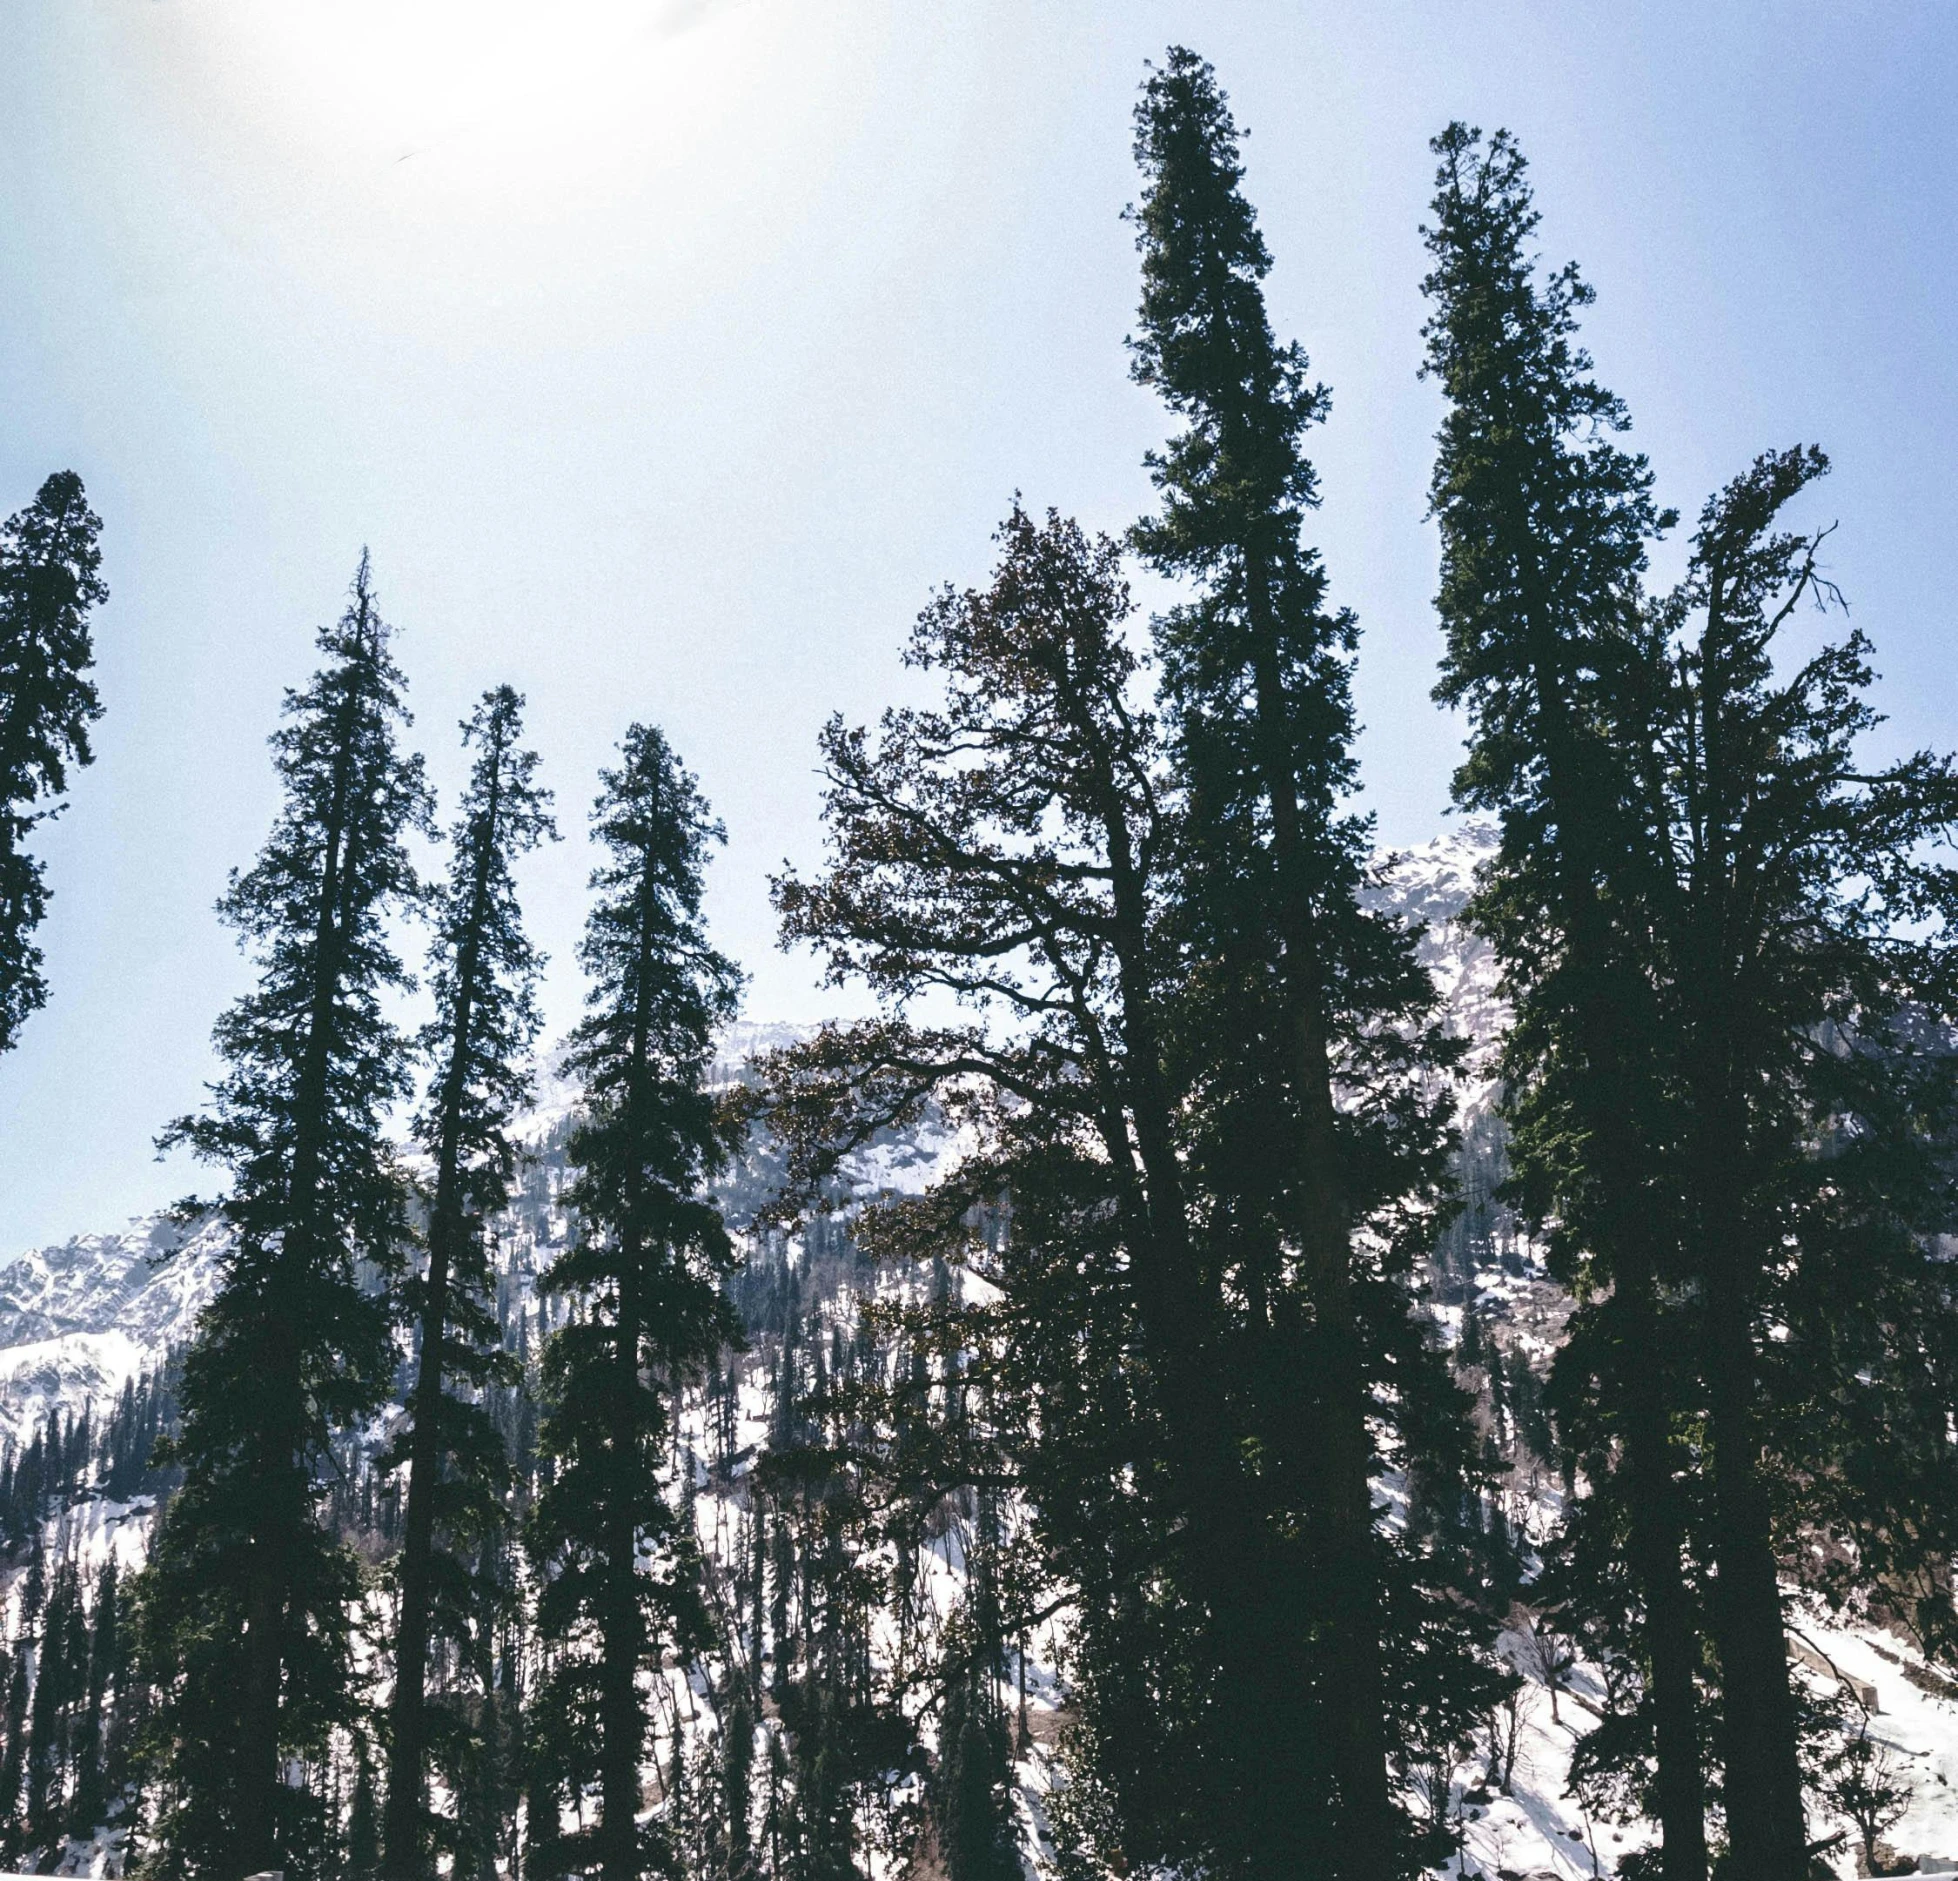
666 354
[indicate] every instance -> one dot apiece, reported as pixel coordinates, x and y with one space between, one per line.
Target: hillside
80 1320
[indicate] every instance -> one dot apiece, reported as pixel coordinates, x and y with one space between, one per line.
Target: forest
755 1471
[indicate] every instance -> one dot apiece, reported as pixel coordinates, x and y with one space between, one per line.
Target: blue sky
666 355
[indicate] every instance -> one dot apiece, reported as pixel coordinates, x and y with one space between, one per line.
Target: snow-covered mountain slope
81 1317
78 1319
1430 887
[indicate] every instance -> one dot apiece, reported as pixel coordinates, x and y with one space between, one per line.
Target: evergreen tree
1020 845
484 973
13 1759
646 1272
1801 936
63 1630
106 1679
1728 952
245 1605
49 583
1305 991
1007 846
363 1826
1545 521
970 1799
737 1784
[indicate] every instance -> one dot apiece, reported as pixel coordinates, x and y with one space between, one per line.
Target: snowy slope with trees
85 1318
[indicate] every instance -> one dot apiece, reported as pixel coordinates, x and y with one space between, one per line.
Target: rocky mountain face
78 1319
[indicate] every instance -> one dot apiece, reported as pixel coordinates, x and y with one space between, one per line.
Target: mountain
80 1318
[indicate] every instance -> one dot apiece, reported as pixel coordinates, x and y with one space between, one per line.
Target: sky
667 354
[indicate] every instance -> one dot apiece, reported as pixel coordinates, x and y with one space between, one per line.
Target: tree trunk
1657 1533
1657 1542
621 1727
1764 1785
258 1746
1367 1825
1225 1557
404 1852
287 1453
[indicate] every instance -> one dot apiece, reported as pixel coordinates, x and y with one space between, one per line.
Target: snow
1430 885
76 1368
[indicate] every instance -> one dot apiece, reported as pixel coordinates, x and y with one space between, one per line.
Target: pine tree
92 1796
245 1606
1007 846
363 1826
1021 845
48 1718
1545 521
646 1269
737 1783
484 974
49 582
13 1760
1802 941
970 1799
1307 991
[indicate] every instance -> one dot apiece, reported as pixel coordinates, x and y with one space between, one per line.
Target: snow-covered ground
1537 1830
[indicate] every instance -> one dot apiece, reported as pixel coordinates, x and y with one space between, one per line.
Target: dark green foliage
738 1786
1018 845
1296 992
644 1278
1725 937
483 974
1165 1338
1801 928
60 1677
1545 521
13 1758
823 1492
49 583
245 1608
64 1771
145 1412
1007 846
64 1461
971 1805
1864 1781
363 1826
100 1767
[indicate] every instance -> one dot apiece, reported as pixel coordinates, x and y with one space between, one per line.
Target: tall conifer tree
50 579
645 1274
1021 846
483 973
246 1604
94 1772
1311 990
1801 925
1545 521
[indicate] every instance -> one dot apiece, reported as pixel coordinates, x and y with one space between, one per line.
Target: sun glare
462 160
494 91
